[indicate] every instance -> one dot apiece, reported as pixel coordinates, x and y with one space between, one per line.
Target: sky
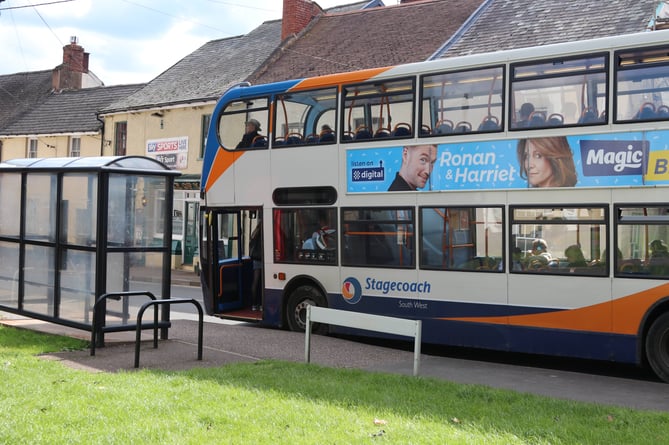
129 41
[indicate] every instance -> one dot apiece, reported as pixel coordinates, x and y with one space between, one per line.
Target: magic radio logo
351 290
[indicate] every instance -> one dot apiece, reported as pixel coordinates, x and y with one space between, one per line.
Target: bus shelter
75 229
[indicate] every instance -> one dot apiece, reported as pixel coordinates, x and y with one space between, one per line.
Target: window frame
595 266
403 238
455 128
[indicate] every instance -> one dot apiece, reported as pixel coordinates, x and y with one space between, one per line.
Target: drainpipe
102 133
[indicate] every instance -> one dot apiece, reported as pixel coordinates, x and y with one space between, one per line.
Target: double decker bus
512 201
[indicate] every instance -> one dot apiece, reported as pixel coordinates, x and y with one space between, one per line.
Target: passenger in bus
539 257
575 257
326 134
547 162
417 164
251 131
658 263
524 114
516 259
319 240
325 129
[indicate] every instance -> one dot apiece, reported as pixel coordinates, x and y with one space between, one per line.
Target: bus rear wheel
657 347
296 308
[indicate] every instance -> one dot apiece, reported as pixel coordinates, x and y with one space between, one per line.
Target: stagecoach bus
513 201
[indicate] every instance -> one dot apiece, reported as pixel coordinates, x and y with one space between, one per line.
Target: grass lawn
271 402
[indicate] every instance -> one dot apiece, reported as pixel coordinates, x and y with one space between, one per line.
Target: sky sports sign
601 160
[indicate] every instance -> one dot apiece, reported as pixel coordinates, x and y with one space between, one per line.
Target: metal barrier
99 328
369 322
170 301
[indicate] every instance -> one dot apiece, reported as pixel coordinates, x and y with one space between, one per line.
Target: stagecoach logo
613 158
364 171
351 290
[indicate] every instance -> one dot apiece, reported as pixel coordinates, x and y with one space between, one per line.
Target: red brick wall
67 76
296 16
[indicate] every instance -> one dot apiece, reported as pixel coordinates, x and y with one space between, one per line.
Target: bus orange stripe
622 316
223 160
336 79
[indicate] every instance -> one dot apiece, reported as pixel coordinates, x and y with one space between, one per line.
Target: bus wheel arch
300 293
657 346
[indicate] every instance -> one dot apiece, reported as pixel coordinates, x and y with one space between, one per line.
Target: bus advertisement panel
615 160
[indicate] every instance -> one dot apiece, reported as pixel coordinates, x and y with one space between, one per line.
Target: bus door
228 268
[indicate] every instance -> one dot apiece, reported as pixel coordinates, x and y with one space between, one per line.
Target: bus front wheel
657 347
296 308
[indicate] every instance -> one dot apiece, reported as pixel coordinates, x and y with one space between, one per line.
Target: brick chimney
296 16
67 76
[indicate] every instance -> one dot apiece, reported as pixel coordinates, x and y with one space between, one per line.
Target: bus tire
296 308
657 347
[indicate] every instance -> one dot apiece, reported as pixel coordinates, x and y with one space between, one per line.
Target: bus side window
305 117
306 235
464 97
234 131
381 237
461 238
544 98
641 85
378 111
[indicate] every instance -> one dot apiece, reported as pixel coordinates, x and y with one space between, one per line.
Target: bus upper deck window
462 102
559 92
243 124
378 110
642 85
305 118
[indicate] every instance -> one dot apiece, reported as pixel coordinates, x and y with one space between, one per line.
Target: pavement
231 341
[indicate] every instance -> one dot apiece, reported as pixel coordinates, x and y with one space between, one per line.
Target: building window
121 138
206 120
75 147
32 148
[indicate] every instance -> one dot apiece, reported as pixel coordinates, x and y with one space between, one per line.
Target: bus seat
604 116
279 141
555 120
489 123
589 116
663 112
444 126
362 133
402 130
347 136
463 127
647 111
259 142
425 130
381 133
312 138
293 138
326 137
537 119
